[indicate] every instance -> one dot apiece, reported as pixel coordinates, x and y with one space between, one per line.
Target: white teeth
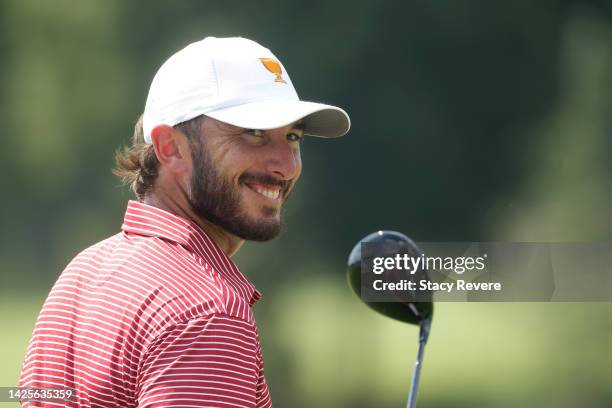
273 194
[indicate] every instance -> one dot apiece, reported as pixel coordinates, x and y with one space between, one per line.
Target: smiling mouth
272 193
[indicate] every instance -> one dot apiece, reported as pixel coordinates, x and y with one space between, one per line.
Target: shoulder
152 282
178 285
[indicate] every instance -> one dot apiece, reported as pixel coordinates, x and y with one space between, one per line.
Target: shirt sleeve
204 362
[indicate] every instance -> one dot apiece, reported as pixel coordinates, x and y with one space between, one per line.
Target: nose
283 160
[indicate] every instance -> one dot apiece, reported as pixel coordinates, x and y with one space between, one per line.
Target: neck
229 243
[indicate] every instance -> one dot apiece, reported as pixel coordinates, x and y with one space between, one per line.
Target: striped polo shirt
155 316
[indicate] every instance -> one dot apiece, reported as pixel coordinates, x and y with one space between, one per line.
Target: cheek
233 165
298 160
228 159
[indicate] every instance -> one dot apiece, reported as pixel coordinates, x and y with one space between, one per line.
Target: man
158 315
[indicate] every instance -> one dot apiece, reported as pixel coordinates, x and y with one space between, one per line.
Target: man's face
241 178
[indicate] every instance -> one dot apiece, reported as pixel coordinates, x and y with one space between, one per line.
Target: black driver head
388 244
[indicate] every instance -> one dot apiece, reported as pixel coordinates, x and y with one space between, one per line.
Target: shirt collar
146 220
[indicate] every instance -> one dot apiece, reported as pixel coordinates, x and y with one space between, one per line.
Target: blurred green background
472 120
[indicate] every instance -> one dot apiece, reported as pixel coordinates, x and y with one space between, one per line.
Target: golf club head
389 243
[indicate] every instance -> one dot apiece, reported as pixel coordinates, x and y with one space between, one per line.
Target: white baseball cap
236 81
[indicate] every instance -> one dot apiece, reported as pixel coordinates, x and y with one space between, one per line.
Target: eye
295 136
255 132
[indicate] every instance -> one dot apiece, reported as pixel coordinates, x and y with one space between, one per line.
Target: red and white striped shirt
155 316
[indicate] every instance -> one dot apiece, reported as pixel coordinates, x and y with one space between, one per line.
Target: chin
260 231
271 213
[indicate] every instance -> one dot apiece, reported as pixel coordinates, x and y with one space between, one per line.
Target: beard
214 198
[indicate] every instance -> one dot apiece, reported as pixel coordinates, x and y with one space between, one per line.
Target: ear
171 148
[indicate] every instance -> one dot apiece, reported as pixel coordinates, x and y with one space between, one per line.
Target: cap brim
318 119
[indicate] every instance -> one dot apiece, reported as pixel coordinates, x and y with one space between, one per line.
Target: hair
137 165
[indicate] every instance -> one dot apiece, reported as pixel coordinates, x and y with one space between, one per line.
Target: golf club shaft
425 325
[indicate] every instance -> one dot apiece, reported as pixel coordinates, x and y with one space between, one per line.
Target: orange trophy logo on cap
274 67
